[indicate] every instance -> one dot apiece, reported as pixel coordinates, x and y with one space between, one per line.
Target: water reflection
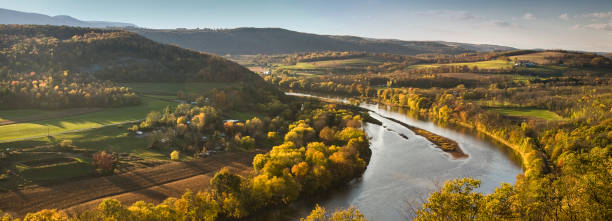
404 169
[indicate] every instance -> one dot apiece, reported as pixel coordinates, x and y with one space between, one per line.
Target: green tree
455 201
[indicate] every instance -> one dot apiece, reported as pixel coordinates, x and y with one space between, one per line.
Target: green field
172 88
25 113
158 96
91 131
84 121
111 139
526 112
324 67
492 64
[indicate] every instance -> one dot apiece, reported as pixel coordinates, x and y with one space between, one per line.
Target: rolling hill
115 55
24 18
245 41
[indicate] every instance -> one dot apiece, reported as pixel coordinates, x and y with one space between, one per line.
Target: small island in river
446 144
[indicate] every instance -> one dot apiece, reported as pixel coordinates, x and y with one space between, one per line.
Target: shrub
175 155
66 144
133 128
245 142
104 162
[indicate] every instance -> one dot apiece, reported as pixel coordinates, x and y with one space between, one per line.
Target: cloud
564 16
596 26
450 14
598 15
503 24
529 16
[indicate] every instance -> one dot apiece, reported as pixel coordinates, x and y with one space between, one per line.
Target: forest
567 163
61 90
116 55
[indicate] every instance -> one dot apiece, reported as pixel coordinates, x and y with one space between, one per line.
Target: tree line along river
405 168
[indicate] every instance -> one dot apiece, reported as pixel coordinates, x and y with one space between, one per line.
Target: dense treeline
472 56
61 90
111 55
324 148
334 55
567 163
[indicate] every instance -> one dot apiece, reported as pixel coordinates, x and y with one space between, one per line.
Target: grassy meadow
90 132
95 119
527 112
492 64
313 68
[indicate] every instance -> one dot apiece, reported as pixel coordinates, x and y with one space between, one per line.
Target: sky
561 24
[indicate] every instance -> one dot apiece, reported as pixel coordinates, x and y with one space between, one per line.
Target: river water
403 170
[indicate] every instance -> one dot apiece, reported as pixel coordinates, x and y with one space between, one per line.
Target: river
403 170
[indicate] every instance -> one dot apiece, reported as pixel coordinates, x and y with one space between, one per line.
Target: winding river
405 168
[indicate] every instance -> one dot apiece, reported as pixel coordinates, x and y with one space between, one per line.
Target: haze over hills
281 41
22 18
256 40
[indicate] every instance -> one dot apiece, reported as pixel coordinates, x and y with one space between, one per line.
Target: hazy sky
564 24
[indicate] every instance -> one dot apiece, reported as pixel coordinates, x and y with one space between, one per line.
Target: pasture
332 66
527 112
90 130
492 64
103 117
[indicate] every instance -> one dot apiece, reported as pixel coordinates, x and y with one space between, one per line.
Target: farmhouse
524 64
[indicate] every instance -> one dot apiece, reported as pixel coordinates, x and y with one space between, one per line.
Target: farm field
20 114
526 112
157 96
100 118
324 67
150 184
90 131
492 64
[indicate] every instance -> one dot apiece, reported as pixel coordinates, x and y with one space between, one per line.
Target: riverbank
444 143
447 145
492 136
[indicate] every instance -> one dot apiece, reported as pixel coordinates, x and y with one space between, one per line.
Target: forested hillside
61 90
115 55
242 41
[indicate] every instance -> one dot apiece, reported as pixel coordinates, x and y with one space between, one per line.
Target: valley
111 121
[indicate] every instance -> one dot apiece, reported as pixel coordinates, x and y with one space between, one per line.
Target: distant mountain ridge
281 41
479 47
25 18
256 40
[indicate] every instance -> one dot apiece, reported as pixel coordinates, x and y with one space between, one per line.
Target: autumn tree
104 162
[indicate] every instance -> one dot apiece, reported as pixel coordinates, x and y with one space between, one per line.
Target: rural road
153 184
